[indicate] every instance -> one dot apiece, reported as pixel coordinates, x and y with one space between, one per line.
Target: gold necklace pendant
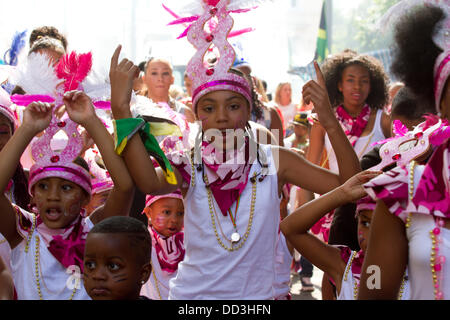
236 238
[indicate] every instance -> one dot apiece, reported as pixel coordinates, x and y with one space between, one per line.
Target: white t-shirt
56 282
208 271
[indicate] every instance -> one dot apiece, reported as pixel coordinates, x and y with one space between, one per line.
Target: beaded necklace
156 282
356 284
213 213
436 262
37 261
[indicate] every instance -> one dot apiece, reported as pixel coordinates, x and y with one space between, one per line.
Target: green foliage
358 30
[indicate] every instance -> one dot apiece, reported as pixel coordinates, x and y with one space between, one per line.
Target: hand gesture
121 78
37 116
316 92
79 107
353 187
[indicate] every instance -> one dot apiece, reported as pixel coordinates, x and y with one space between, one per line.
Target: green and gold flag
322 50
125 129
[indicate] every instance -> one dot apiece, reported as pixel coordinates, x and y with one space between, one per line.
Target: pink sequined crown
73 69
55 163
410 145
205 77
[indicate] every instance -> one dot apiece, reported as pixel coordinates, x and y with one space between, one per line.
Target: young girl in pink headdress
340 263
231 185
165 214
48 244
412 218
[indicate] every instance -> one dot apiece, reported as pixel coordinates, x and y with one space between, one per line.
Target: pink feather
243 10
183 20
173 14
184 34
399 128
74 68
104 105
239 32
25 100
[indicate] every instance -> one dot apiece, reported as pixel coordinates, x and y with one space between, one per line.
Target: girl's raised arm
148 179
37 117
388 251
295 227
80 109
313 177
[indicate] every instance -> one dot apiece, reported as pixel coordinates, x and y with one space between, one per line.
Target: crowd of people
127 188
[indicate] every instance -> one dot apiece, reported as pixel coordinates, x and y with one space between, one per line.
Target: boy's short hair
134 229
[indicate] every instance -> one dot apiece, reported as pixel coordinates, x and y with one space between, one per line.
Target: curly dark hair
414 52
334 66
46 31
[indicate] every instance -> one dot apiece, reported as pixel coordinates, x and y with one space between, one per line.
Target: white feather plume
36 75
97 86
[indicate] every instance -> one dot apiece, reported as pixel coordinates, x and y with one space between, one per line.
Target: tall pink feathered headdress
206 76
72 69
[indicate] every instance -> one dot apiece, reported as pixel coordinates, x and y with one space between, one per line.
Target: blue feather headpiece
18 43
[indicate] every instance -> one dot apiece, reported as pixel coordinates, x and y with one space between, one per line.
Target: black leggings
307 268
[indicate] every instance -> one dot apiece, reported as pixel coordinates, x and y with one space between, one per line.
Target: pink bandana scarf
357 262
170 251
66 245
227 173
353 127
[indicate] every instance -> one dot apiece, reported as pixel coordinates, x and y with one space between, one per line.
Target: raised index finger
319 74
115 57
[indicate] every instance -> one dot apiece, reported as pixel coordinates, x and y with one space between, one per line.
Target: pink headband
365 203
441 73
71 172
149 200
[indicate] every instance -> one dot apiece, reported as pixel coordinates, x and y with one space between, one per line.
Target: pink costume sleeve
432 194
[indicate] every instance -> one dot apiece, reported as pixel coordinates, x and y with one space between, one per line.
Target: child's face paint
58 201
167 216
364 221
111 268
